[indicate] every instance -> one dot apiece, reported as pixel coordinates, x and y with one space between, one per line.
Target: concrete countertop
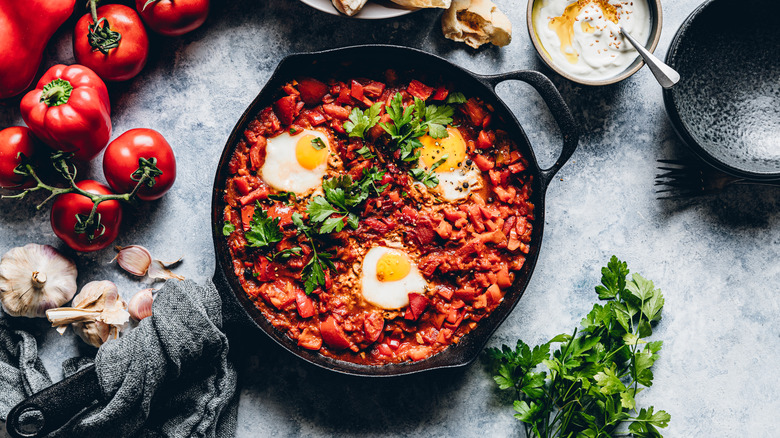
715 258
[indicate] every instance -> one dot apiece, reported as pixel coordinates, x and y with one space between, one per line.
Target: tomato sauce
468 250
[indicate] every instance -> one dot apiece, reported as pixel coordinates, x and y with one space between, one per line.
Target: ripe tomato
67 206
173 17
122 156
15 140
123 61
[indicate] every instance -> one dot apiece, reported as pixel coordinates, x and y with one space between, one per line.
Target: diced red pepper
494 294
345 96
503 277
393 343
257 152
466 294
486 139
417 305
418 89
373 89
441 93
333 335
283 212
517 167
336 111
256 194
445 292
264 269
243 186
312 91
286 109
373 325
305 304
356 90
280 293
315 117
419 352
247 213
476 112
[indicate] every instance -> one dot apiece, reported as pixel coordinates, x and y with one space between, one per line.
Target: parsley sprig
592 379
341 197
263 231
314 271
414 121
361 121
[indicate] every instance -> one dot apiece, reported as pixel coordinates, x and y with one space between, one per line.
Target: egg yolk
307 154
434 149
392 266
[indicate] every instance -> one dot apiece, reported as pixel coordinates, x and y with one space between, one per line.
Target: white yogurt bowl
596 55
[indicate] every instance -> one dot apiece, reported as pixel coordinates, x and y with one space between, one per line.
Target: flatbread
349 7
444 4
476 22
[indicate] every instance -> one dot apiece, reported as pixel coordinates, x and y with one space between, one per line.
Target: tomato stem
144 176
100 35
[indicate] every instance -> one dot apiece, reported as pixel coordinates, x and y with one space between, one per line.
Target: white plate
373 10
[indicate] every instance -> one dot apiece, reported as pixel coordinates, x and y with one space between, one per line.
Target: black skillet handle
558 108
50 409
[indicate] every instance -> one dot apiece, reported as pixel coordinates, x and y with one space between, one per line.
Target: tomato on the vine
71 208
14 141
121 161
173 17
119 44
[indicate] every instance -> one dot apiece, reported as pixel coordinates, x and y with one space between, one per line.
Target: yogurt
582 38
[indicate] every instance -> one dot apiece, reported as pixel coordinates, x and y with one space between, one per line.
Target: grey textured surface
715 258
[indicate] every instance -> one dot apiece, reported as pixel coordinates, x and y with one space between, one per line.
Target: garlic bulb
137 260
97 313
35 278
140 306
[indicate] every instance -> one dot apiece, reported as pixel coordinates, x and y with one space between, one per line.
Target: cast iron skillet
726 108
52 407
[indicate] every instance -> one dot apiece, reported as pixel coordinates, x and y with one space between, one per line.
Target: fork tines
680 179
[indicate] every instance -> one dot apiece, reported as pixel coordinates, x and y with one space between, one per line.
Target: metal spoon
665 75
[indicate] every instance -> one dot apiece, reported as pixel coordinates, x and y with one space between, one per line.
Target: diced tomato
444 229
445 292
505 195
315 117
476 218
333 335
468 294
312 91
517 167
494 294
417 305
337 126
247 212
438 320
408 215
419 352
418 89
393 343
503 277
310 339
305 304
345 96
289 89
257 152
264 269
441 93
373 325
484 163
444 336
475 111
286 109
243 186
423 233
377 130
381 227
486 139
336 111
256 194
374 89
280 293
283 212
481 302
384 350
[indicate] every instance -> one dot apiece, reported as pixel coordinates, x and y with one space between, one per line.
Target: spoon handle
665 75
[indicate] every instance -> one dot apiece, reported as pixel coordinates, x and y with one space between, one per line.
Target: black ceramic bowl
726 107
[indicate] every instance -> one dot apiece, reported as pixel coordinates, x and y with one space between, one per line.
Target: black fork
686 178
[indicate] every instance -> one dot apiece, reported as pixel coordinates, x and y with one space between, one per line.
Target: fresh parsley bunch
587 386
414 121
342 196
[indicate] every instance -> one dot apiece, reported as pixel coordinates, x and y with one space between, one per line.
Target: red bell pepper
69 110
25 29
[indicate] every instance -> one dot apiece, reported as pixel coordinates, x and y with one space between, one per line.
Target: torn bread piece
349 7
476 22
413 4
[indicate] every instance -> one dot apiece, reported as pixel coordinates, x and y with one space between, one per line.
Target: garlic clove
70 315
140 306
98 313
35 278
159 270
134 259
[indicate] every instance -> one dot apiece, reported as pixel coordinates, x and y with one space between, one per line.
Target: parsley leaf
263 231
428 178
285 254
283 197
228 228
317 143
588 385
313 272
456 97
361 121
365 152
414 121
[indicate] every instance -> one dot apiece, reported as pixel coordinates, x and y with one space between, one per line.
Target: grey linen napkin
170 376
21 370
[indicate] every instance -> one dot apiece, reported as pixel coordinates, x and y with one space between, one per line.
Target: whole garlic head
35 278
97 315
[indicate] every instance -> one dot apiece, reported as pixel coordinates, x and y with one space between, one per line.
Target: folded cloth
170 376
21 371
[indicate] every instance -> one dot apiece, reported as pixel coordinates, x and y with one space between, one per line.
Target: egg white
282 170
388 295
